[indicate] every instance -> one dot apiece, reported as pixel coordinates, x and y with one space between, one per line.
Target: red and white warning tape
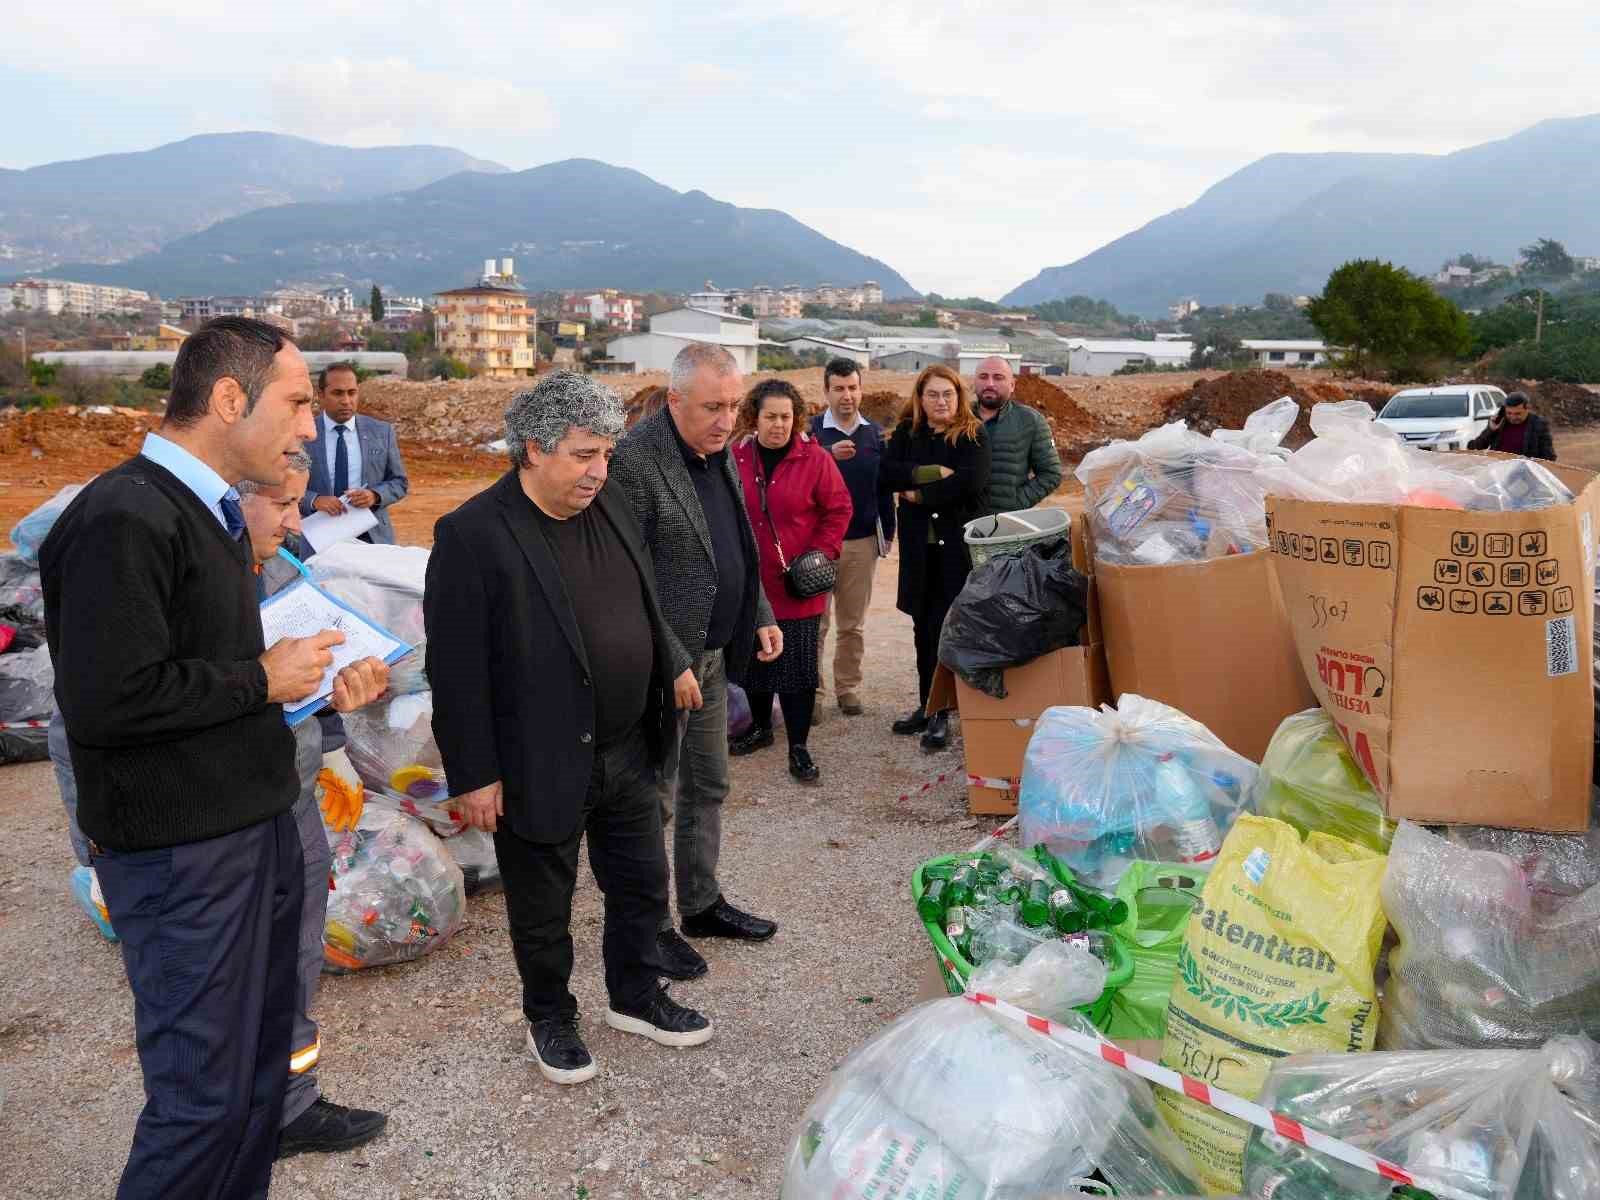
1227 1102
905 797
986 781
24 724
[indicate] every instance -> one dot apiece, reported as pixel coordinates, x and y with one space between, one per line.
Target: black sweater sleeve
117 683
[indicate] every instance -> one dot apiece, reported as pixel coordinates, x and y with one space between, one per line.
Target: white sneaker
664 1021
569 1059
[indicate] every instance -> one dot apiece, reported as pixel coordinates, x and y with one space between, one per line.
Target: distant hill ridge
1284 222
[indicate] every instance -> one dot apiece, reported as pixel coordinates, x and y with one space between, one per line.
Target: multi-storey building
608 307
56 296
486 327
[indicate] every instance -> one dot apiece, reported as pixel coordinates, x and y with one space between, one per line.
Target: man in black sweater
185 768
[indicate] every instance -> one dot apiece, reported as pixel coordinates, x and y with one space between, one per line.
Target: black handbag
810 575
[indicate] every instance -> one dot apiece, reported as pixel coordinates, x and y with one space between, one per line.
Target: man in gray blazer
675 469
355 460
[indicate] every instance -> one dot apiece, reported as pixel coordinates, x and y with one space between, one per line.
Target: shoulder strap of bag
761 489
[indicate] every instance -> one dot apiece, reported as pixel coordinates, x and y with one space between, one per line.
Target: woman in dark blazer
938 463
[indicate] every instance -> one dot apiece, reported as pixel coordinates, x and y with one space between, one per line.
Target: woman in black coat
937 461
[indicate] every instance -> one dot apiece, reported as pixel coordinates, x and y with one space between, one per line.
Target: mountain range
1284 222
238 213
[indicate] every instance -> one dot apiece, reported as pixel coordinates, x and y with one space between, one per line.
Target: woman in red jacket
807 507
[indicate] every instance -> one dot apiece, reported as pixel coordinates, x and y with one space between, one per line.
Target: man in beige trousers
857 446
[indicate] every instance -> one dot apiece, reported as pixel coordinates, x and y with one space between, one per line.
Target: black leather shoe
676 958
663 1020
555 1045
750 741
724 920
937 735
912 723
327 1128
801 766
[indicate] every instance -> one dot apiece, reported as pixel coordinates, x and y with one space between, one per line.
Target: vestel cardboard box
1453 650
996 732
1209 638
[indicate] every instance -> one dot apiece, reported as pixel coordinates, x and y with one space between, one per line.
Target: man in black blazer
552 683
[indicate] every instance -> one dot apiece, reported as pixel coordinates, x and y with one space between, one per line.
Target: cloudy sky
966 144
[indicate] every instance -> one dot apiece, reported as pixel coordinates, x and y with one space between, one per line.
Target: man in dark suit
679 479
552 674
355 460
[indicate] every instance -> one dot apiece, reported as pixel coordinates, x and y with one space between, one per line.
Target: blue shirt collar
191 472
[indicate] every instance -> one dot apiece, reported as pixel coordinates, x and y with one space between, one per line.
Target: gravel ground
438 1044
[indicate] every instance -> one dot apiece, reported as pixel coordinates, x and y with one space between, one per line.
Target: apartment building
487 328
608 307
57 296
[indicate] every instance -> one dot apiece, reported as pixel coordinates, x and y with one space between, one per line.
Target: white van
1441 418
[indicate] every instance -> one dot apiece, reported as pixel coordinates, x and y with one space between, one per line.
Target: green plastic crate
955 969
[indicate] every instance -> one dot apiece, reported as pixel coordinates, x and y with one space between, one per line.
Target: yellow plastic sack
1277 961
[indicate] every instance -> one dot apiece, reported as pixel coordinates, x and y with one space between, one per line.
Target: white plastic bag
1264 429
1053 978
1497 1124
1493 951
1102 787
953 1102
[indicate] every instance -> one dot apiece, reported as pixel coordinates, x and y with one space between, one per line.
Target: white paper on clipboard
303 610
323 531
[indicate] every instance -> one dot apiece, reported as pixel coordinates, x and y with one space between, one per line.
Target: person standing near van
1517 429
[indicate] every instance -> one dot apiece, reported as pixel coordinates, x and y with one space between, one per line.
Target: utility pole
1538 321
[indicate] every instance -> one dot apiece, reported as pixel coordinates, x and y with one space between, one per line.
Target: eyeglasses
930 394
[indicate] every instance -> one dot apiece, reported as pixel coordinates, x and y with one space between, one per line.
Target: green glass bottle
931 905
1097 943
938 871
959 890
1066 914
959 932
1034 910
1111 910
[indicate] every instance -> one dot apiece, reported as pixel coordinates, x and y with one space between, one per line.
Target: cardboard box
1453 650
1209 638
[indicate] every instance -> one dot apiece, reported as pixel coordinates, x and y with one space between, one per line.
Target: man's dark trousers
622 818
209 936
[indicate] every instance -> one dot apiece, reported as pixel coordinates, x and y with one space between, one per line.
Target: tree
157 378
377 303
1548 257
1277 302
1384 315
747 310
1218 349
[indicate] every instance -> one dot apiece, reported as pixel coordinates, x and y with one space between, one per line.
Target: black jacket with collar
933 532
648 470
511 683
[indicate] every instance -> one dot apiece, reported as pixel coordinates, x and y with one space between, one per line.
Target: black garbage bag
1014 608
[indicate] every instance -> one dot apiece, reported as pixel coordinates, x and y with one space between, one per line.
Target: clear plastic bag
1309 780
1487 958
953 1102
1176 496
1039 970
1353 459
1014 608
385 583
1102 787
391 747
27 685
28 534
1497 1124
21 594
1264 429
397 893
473 851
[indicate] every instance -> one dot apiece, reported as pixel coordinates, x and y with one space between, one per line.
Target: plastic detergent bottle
1183 829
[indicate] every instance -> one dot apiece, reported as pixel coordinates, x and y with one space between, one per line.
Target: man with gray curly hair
552 675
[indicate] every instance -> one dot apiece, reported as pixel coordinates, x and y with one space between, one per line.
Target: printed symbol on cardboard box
1430 599
1498 545
1531 544
1548 572
1497 604
1308 548
1480 574
1462 601
1532 604
1562 600
1514 574
1355 552
1283 543
1378 555
1330 550
1447 570
1462 542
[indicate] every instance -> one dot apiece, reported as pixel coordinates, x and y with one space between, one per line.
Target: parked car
1441 418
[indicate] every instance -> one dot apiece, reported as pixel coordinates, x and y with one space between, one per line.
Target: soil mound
1561 403
883 409
1075 429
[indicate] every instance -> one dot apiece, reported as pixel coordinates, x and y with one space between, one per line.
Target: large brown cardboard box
1209 638
1453 650
996 732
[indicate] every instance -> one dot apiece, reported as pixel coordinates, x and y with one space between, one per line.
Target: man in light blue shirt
355 460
